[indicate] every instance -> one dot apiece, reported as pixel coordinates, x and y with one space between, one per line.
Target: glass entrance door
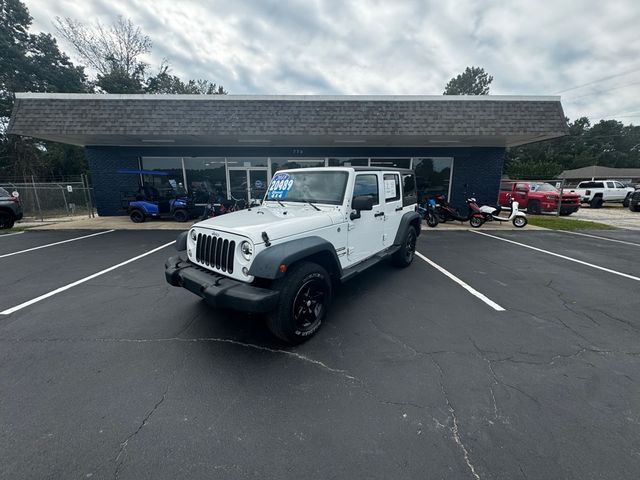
247 184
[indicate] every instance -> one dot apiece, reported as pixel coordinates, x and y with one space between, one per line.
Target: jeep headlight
193 235
246 249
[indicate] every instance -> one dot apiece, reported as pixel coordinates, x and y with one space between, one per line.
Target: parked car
10 208
634 201
595 193
317 228
538 197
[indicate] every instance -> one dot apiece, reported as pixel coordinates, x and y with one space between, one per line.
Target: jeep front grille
215 252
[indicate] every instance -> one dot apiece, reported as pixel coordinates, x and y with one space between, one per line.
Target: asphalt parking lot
118 375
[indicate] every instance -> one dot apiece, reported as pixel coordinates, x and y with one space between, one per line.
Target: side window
618 185
610 185
598 185
506 187
391 187
522 187
367 186
409 194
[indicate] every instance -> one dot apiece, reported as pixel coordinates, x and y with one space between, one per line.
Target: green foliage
473 81
29 62
608 143
537 170
561 223
164 82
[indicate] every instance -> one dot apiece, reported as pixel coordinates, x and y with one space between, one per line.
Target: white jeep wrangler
316 227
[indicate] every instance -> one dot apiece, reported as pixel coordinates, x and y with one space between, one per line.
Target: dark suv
10 209
634 200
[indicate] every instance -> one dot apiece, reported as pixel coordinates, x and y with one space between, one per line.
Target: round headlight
246 248
193 235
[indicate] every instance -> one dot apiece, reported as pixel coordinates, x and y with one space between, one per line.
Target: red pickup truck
538 197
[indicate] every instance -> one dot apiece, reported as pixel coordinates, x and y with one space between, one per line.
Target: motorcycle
517 217
445 212
428 212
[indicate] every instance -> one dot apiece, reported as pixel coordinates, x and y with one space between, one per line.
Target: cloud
386 47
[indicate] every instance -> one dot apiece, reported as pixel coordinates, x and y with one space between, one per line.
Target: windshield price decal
280 186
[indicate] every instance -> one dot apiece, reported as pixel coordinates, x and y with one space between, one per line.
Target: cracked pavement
410 377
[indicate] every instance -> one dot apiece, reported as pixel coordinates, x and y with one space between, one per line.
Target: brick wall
477 172
107 183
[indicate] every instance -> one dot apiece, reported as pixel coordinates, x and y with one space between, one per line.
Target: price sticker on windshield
280 186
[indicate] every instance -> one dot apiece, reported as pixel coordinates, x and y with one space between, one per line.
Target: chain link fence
53 199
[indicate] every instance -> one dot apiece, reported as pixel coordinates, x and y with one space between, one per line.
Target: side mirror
360 203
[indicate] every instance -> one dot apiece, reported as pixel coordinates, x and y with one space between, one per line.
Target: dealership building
233 144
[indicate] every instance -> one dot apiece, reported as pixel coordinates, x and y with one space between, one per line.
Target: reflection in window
169 181
279 163
433 176
391 162
206 178
367 186
348 162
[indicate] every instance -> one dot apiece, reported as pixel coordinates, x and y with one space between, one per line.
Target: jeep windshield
305 186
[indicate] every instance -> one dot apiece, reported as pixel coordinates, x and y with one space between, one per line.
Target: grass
561 223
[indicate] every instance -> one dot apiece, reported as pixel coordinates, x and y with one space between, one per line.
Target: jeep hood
278 224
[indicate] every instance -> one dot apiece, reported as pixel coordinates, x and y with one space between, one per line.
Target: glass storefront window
169 182
391 162
247 161
433 176
348 162
206 177
279 163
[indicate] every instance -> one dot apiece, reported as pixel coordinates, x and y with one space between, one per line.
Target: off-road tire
137 216
534 207
627 199
596 202
565 213
285 322
180 215
6 220
404 256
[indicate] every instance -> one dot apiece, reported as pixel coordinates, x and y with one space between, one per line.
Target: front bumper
218 290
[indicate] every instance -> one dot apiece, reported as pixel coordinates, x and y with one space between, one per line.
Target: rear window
591 185
409 195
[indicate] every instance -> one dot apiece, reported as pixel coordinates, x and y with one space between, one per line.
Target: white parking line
600 238
598 267
467 287
56 243
82 280
10 234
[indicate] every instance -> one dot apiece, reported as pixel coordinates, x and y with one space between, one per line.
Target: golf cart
158 196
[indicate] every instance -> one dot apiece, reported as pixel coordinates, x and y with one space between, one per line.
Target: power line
598 81
600 91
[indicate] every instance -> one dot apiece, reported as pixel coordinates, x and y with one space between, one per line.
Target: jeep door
365 233
393 209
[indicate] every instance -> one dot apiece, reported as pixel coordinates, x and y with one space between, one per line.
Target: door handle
399 208
379 214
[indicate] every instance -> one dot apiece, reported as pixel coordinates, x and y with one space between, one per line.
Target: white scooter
518 218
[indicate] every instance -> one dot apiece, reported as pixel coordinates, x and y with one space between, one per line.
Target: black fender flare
267 262
181 241
406 221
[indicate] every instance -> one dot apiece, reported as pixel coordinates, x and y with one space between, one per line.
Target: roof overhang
241 120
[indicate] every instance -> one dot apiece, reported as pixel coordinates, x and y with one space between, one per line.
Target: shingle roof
597 171
82 118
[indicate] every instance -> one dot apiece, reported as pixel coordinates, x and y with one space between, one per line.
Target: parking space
412 375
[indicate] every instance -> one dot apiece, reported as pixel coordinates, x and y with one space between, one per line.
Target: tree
164 82
473 81
115 52
34 63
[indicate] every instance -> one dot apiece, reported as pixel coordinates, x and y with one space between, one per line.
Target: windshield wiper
307 201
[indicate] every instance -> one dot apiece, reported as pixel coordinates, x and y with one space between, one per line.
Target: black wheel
565 213
520 222
534 207
180 215
596 202
627 199
432 220
634 208
476 222
6 220
136 216
305 296
404 256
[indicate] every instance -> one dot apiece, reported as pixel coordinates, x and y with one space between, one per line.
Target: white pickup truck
595 193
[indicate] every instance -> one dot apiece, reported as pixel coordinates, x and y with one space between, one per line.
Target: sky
587 51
